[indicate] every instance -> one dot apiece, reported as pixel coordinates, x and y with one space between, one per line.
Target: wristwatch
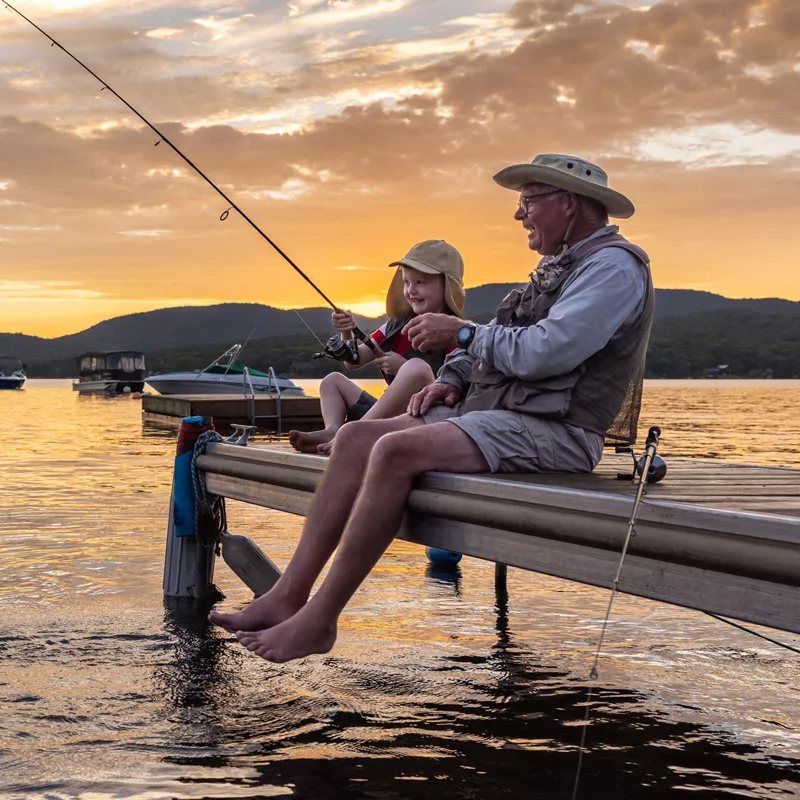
465 334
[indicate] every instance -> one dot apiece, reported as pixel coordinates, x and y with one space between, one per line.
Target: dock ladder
273 389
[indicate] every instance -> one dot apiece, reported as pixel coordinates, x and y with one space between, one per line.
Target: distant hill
750 343
683 302
483 300
194 327
174 327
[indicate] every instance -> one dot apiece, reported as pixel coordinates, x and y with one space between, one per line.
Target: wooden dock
298 413
717 537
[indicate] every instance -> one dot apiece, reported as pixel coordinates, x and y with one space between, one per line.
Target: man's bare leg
396 459
336 394
411 377
325 522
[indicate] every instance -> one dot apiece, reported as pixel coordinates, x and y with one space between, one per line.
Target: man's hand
390 363
343 323
433 394
432 331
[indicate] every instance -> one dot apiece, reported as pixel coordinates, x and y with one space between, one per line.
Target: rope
206 505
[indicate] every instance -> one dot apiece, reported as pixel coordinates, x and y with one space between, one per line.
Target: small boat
224 375
15 377
109 372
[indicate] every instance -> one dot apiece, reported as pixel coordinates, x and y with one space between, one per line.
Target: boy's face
424 291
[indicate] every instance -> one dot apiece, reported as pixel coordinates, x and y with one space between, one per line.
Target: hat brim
414 264
398 306
518 175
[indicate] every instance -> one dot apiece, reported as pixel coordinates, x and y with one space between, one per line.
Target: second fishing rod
341 351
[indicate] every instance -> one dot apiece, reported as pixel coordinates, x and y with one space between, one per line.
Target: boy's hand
343 322
431 395
432 331
390 363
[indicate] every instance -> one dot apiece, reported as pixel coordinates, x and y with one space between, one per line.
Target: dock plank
714 484
301 413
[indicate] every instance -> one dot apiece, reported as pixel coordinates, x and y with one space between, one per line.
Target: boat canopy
126 361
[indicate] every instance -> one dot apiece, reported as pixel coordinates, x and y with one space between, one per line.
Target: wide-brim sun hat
436 257
570 173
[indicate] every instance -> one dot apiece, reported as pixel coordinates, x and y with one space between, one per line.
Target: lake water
436 687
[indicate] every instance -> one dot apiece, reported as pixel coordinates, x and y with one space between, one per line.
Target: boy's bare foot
308 441
327 448
263 613
304 634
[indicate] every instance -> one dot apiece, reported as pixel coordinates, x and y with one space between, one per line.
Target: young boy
429 279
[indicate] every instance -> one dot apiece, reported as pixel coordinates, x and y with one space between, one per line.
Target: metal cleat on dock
240 434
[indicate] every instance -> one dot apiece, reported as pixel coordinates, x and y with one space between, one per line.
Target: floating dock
266 412
717 537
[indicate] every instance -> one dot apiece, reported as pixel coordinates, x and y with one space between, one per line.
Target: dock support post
188 562
500 580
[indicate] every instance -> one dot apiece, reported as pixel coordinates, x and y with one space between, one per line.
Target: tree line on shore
749 344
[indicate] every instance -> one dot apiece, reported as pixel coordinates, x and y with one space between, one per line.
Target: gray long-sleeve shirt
606 293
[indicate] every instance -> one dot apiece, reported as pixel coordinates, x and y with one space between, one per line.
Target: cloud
28 228
355 128
148 233
361 268
24 291
716 145
165 33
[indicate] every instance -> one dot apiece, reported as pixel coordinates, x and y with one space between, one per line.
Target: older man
535 390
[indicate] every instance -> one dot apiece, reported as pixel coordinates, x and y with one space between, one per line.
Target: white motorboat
15 378
224 376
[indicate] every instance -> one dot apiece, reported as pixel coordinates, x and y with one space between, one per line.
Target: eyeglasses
525 199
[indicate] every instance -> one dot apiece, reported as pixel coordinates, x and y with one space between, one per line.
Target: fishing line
310 329
651 444
744 628
232 206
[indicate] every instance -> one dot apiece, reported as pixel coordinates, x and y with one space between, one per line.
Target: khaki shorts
514 442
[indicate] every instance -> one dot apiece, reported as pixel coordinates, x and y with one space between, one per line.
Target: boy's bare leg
325 522
396 459
411 377
336 393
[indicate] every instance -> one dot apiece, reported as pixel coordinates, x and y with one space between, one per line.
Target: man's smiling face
542 212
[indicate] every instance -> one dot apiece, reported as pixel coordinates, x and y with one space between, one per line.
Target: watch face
464 335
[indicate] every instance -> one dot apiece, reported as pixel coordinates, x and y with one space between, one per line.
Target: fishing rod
350 353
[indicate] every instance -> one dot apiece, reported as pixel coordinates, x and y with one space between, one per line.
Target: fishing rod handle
367 340
377 352
653 436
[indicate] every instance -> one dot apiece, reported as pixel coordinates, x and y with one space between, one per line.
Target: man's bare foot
302 635
308 441
263 613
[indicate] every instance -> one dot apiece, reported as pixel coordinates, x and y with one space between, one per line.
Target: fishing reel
658 467
340 350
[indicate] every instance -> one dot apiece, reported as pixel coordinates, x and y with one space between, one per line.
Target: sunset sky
351 129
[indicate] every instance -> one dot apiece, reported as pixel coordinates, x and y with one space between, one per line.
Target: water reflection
444 681
445 575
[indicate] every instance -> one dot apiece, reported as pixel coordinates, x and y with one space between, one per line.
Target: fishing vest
434 358
603 394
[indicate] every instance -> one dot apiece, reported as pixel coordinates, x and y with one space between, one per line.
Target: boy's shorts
514 442
361 406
